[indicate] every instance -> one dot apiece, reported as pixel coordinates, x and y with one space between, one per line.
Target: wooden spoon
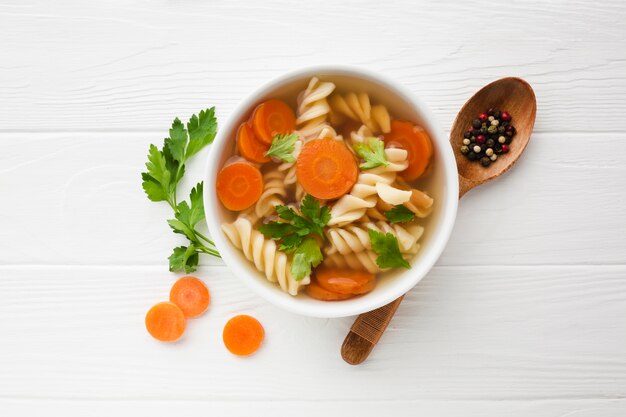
511 94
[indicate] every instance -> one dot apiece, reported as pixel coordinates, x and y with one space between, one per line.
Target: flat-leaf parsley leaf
399 214
307 256
387 249
373 153
283 146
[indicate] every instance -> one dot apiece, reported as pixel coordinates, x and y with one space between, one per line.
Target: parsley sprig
296 234
283 146
388 251
399 214
165 169
373 152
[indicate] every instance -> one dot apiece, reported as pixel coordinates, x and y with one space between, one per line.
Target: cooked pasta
329 216
264 254
313 108
274 193
360 260
358 107
354 238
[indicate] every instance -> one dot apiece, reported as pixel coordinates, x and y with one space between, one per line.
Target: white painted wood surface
524 315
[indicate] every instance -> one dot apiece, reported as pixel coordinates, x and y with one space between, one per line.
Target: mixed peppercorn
489 136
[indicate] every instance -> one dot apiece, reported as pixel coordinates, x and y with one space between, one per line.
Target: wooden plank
313 408
127 65
464 334
77 199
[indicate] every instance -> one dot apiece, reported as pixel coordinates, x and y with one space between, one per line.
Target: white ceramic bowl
442 184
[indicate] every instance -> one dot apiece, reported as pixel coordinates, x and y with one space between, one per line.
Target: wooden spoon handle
366 331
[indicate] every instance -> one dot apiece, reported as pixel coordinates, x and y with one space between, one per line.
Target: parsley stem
206 239
209 251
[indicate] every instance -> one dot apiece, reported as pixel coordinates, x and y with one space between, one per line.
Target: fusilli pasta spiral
361 260
274 193
313 108
264 254
358 107
355 238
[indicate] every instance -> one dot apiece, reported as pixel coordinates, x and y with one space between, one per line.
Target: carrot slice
326 169
345 281
191 295
243 335
239 185
165 322
315 290
249 146
272 117
416 142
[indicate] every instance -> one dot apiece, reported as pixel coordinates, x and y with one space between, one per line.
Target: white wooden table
524 315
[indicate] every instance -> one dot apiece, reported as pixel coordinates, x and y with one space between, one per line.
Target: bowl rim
411 277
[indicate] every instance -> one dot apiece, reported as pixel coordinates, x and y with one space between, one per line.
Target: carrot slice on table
345 281
243 335
416 142
165 322
326 169
191 295
318 292
239 185
272 117
249 146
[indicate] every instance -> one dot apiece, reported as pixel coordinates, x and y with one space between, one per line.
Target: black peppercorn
467 135
476 124
471 155
490 112
498 148
496 114
501 129
485 161
483 130
490 143
473 139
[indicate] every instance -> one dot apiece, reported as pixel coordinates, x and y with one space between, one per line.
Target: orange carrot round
239 185
416 142
165 322
345 281
249 146
272 117
191 295
326 169
314 290
243 335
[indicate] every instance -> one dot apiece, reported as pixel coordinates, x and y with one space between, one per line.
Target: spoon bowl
511 94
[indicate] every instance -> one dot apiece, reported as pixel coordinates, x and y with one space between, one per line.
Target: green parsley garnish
296 231
307 256
373 153
399 214
387 249
166 168
283 146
